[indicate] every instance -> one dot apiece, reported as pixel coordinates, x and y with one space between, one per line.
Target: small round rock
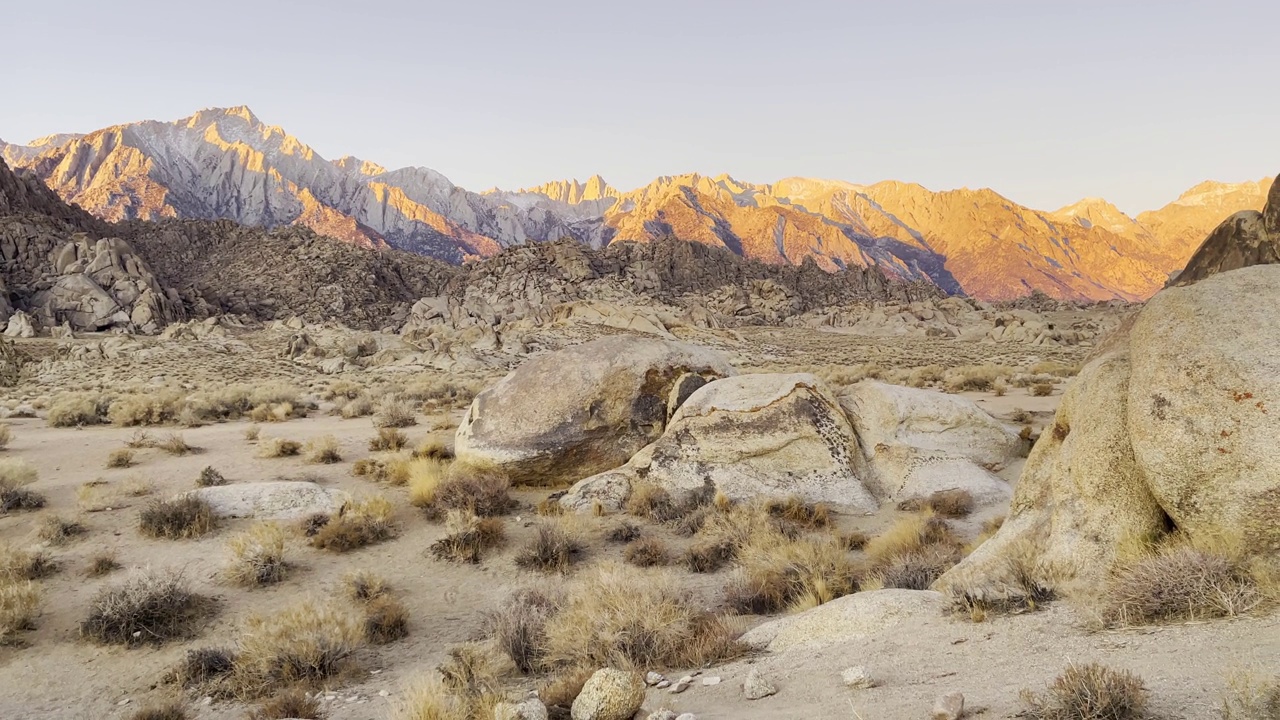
610 694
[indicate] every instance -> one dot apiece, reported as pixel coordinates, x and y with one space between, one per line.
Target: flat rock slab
280 500
844 619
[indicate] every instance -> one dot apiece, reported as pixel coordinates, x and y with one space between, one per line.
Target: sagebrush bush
434 448
357 407
431 700
304 644
120 458
288 705
388 439
776 573
209 477
6 434
102 564
356 525
149 607
1250 697
252 433
974 377
647 552
15 475
386 620
915 570
19 564
363 585
77 409
202 666
1042 389
60 531
184 517
257 556
468 537
481 491
279 447
175 444
395 413
1090 692
800 512
473 674
953 503
323 450
555 547
519 626
909 534
622 531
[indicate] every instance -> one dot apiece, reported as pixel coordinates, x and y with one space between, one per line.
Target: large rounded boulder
566 415
1173 429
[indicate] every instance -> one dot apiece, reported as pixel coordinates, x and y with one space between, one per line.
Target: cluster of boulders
608 414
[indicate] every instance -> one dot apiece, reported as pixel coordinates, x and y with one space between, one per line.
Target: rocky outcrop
566 415
846 619
1244 239
918 442
1172 429
283 500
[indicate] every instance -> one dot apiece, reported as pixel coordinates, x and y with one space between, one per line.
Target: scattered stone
948 707
653 678
609 694
663 684
278 500
680 686
529 709
713 680
757 686
857 678
384 693
686 716
663 714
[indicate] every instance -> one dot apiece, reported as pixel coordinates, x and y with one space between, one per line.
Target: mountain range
224 163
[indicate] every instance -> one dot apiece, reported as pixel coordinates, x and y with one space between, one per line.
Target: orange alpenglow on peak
976 242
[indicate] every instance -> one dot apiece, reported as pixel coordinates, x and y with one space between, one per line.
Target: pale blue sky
1046 102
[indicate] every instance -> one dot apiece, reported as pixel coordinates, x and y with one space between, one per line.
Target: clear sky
1046 102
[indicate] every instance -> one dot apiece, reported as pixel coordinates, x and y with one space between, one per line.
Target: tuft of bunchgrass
395 413
120 458
288 705
953 503
555 547
323 451
15 475
519 626
167 710
467 537
102 564
256 556
647 552
356 525
210 477
181 518
1250 697
175 444
305 644
60 531
776 573
19 564
19 606
1090 692
279 447
388 440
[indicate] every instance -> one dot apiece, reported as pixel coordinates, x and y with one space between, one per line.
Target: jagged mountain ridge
226 164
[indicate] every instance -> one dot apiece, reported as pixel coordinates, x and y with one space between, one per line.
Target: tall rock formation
1244 239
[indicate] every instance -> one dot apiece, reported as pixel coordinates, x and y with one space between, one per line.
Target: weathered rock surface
20 326
1172 429
531 709
844 619
609 694
919 442
284 500
566 415
1247 238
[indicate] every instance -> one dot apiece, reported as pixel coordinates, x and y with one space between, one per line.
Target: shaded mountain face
226 164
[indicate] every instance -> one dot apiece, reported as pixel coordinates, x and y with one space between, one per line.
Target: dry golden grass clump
1249 697
473 676
6 434
953 503
776 573
257 556
77 409
19 606
344 390
288 705
1057 369
615 616
1090 692
394 413
479 490
209 477
306 645
102 564
550 506
975 377
15 475
252 433
323 450
912 553
120 458
19 564
555 547
356 407
468 537
386 620
178 519
655 503
1042 389
647 552
394 470
175 444
434 448
623 531
59 531
519 626
797 511
388 440
169 710
135 409
96 495
279 447
425 478
356 525
431 700
204 667
721 534
1180 580
149 607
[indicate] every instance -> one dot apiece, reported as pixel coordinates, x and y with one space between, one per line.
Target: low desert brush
425 478
120 458
386 620
775 574
909 534
102 564
479 490
655 503
388 440
473 674
168 710
175 444
209 477
279 447
184 517
323 450
563 687
468 537
19 564
257 556
1090 692
19 606
974 377
623 531
550 506
356 525
357 407
953 503
288 705
252 433
615 616
394 413
363 586
519 626
77 409
60 531
1250 697
15 475
204 667
431 700
647 552
1042 389
799 512
149 607
306 645
434 448
556 545
6 434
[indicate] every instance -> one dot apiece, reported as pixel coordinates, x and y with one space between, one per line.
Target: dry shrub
395 413
288 705
344 389
425 478
252 433
1020 416
323 450
356 525
975 377
796 510
614 616
15 475
386 620
555 547
999 388
909 534
724 532
550 506
202 666
559 692
149 607
363 586
140 440
479 490
58 531
519 626
181 518
388 439
954 503
168 710
647 552
474 673
1249 697
19 606
623 531
1090 692
304 644
1180 580
776 573
431 700
655 503
102 564
853 539
6 434
915 570
1028 585
120 458
279 447
1057 369
257 556
926 375
77 409
468 537
434 448
145 409
19 564
357 407
1042 389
